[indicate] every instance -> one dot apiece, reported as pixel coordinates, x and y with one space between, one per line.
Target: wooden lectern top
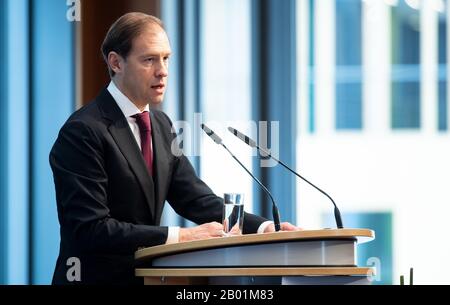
264 271
361 235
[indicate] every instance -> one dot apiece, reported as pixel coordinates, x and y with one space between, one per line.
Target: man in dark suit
114 166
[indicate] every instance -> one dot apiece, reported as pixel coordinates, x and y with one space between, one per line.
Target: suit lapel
122 135
161 166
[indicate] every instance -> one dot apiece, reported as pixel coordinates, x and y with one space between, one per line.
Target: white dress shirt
129 109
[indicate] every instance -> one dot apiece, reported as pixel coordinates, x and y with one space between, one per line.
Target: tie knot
143 120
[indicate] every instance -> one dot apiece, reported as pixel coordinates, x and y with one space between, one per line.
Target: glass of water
233 213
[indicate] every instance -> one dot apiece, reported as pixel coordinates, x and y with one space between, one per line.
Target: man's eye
150 59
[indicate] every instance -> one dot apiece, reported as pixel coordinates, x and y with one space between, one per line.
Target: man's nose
162 70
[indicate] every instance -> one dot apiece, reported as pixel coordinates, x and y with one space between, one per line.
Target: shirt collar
128 108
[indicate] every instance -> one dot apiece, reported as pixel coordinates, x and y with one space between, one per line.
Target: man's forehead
154 38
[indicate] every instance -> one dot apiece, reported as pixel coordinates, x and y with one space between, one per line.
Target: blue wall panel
53 101
3 145
274 100
14 165
282 100
18 144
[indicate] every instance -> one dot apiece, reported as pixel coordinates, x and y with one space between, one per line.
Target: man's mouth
158 86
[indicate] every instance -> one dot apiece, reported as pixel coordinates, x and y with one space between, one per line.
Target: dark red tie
145 129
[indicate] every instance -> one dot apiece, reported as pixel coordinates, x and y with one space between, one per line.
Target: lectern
316 257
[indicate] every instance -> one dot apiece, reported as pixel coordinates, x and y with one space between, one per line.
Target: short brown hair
121 34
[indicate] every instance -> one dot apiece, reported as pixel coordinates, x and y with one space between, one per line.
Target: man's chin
157 101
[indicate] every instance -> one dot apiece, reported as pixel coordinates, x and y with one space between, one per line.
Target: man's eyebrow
157 54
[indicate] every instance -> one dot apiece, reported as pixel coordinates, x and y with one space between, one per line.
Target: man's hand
204 231
285 226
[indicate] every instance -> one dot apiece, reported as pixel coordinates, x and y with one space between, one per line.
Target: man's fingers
286 226
213 225
214 229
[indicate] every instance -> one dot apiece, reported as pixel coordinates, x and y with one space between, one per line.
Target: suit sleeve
77 161
193 199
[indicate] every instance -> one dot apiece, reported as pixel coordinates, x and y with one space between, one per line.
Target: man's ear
115 62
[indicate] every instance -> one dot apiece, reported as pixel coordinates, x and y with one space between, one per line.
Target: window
348 65
442 76
225 91
405 112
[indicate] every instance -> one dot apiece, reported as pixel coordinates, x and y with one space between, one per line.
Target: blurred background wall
354 94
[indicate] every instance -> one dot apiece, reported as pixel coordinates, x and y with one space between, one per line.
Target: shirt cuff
263 226
173 235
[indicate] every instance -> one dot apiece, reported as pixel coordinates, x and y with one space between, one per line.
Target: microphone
252 143
218 140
